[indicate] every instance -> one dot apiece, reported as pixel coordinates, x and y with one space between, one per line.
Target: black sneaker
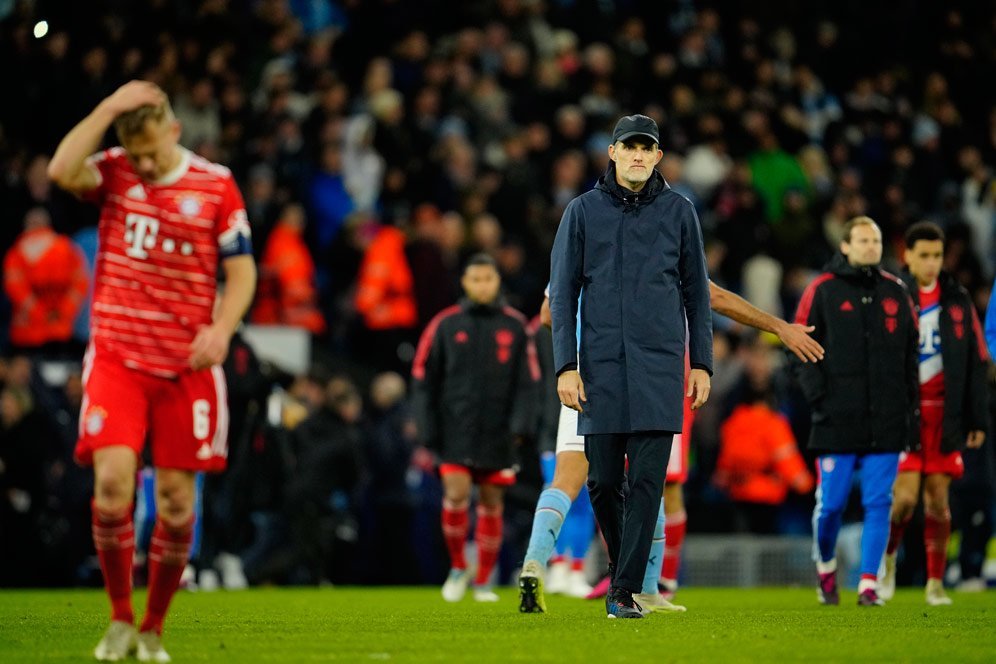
619 603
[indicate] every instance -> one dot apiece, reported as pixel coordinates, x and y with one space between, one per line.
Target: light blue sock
579 526
656 560
551 508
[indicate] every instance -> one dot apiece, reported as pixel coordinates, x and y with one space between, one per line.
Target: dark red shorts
677 465
185 419
930 459
503 477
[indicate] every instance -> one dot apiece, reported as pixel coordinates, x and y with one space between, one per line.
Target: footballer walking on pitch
953 406
475 377
864 398
167 219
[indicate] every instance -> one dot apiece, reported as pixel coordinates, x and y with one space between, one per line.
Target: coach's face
153 151
635 162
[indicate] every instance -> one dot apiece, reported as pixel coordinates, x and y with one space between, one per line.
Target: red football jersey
159 245
931 364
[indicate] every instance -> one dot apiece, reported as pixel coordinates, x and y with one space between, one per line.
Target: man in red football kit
953 406
167 219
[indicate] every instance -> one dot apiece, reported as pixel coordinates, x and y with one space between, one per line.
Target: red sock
936 532
674 537
456 523
169 551
896 532
488 538
114 539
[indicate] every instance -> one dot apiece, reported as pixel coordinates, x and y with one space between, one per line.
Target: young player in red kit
167 219
953 406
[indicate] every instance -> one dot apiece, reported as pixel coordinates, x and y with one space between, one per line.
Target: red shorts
185 419
677 465
930 459
504 477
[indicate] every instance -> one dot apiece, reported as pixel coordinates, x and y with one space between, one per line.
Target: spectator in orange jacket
759 461
287 293
385 301
45 277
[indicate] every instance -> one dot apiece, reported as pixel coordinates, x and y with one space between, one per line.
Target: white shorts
568 439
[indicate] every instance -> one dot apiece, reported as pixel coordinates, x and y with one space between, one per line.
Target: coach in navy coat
631 248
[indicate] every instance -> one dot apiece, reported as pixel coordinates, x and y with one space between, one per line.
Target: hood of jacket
840 267
654 187
470 306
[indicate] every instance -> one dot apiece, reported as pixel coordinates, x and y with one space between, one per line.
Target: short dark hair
923 230
480 258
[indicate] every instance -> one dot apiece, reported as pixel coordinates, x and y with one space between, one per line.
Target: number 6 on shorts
202 419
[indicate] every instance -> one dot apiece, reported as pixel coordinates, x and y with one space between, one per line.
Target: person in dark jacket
474 384
388 548
326 473
556 504
953 406
863 396
634 247
23 434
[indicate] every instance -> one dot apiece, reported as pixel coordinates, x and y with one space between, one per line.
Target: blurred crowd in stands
378 143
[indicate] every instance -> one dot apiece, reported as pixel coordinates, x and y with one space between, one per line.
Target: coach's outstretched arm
68 166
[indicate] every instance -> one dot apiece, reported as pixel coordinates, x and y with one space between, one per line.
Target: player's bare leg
570 473
488 536
569 476
905 495
114 538
456 502
169 552
936 533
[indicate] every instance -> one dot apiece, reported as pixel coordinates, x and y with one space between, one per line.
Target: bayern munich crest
190 206
93 422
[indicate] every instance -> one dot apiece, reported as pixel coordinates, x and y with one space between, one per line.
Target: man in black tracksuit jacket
474 388
953 405
863 396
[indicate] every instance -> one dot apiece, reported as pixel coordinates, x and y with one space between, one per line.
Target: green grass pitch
415 625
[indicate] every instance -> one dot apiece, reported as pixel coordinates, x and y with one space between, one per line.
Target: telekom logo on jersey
140 235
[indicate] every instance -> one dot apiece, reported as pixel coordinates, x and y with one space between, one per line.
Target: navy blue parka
637 262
